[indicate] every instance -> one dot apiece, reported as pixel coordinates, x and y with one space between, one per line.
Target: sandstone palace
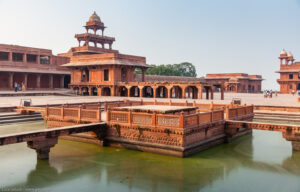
94 68
289 80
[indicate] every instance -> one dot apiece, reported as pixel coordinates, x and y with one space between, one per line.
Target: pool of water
262 161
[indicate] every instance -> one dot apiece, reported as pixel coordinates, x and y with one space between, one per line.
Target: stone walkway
256 99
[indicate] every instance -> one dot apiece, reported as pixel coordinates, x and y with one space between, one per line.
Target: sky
217 36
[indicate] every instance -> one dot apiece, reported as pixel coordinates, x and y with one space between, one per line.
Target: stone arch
76 90
134 91
85 90
191 92
123 91
105 91
94 91
147 91
161 92
176 92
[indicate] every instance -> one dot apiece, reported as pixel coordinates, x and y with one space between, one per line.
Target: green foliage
182 69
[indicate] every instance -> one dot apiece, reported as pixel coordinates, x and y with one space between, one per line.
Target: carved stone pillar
10 56
11 80
154 92
141 91
50 81
90 91
183 93
24 58
99 91
200 92
222 92
207 93
62 81
211 93
25 81
113 91
38 81
143 74
38 59
42 146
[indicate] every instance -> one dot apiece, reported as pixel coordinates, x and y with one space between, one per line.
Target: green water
263 161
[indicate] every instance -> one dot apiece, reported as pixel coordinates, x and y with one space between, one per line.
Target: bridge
43 140
289 132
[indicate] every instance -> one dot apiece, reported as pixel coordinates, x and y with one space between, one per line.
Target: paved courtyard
256 99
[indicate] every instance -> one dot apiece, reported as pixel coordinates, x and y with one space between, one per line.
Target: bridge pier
42 146
296 145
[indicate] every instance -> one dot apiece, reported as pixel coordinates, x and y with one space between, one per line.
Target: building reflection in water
89 167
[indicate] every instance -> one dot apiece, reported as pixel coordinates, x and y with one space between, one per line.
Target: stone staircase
277 117
9 118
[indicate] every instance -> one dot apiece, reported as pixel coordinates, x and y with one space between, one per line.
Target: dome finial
283 52
94 17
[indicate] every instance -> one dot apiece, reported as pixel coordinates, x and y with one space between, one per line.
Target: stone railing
78 114
203 118
154 120
239 113
202 106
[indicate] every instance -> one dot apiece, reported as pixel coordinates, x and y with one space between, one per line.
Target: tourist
293 92
19 87
23 87
16 86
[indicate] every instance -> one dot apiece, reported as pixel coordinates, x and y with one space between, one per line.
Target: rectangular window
17 57
106 75
31 58
290 76
44 59
4 56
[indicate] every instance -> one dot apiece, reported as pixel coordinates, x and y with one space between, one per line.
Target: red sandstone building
237 82
97 69
35 68
289 80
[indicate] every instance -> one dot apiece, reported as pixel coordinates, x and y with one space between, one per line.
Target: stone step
18 116
20 120
278 114
276 117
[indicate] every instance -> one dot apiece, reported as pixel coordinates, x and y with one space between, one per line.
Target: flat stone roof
155 108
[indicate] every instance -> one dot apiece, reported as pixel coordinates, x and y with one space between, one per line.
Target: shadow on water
80 166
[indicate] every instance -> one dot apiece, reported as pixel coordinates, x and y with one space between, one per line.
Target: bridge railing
77 114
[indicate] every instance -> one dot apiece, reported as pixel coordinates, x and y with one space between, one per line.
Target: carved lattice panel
71 113
142 119
85 114
54 111
170 121
122 117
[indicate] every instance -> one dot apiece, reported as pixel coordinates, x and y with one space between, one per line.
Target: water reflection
230 167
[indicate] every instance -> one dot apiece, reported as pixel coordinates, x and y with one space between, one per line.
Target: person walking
16 86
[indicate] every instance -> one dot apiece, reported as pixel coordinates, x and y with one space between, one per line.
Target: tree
183 69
